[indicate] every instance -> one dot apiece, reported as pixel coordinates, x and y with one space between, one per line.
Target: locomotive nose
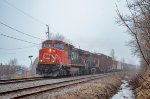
50 56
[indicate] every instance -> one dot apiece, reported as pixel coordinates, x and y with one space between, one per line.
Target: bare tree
122 63
33 67
112 54
13 62
138 24
58 37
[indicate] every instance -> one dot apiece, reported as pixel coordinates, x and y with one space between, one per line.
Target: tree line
11 69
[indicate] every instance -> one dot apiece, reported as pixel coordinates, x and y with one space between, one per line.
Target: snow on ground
124 92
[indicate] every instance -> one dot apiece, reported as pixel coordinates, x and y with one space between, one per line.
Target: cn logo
48 56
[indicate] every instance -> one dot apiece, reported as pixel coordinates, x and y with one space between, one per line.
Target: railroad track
26 92
10 81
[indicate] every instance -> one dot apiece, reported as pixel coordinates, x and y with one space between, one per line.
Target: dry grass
102 88
141 85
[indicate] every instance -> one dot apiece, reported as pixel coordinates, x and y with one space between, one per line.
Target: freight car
57 58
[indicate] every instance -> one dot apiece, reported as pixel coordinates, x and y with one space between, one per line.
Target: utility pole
30 57
48 32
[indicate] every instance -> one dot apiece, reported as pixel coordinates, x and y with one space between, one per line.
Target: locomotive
58 58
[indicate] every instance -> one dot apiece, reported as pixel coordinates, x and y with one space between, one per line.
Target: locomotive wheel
62 72
93 70
74 71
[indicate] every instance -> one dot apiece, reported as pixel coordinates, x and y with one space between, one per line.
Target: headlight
41 60
50 50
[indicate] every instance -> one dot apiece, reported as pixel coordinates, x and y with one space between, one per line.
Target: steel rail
23 92
10 81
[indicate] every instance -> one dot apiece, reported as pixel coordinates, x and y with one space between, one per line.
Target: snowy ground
124 92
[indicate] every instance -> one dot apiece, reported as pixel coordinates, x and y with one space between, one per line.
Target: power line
33 18
17 48
9 53
18 52
18 39
19 31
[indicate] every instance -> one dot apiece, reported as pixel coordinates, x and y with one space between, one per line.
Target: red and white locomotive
57 58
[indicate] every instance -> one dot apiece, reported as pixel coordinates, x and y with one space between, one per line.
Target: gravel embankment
8 87
14 86
102 88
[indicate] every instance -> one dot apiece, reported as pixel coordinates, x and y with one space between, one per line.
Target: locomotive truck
58 58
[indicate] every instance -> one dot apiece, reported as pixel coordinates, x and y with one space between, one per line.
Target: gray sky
90 24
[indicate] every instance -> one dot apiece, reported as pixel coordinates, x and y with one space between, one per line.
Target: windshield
46 45
59 46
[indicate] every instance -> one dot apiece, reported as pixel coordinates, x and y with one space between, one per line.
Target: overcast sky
90 24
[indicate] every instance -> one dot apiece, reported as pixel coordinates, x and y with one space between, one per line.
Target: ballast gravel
20 85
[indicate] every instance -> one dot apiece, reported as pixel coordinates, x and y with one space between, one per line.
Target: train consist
57 58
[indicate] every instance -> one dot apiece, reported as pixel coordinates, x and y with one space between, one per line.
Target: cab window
46 45
59 46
